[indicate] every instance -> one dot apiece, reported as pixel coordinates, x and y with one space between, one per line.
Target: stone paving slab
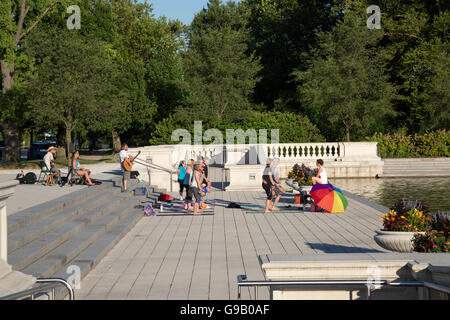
185 257
27 196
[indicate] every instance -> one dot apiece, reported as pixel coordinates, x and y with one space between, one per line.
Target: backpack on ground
134 174
29 178
20 176
233 205
165 197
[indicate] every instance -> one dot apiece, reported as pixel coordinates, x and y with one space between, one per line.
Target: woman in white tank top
321 177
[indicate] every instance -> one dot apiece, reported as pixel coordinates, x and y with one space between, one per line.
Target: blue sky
183 10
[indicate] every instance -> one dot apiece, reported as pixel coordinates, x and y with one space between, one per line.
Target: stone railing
296 151
246 161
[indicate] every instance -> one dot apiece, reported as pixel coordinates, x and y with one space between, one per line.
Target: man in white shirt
126 175
49 160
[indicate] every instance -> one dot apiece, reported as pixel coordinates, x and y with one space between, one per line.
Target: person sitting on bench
81 171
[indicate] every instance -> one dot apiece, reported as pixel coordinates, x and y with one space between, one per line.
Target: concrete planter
306 188
397 241
289 182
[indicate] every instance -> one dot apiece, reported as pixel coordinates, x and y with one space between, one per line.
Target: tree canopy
311 68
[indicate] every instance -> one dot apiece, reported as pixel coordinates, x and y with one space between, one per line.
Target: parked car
39 149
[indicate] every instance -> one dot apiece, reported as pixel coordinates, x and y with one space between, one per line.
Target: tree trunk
347 133
61 143
116 142
10 128
7 75
12 147
69 142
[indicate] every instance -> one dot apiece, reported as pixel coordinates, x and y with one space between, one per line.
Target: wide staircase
78 229
417 167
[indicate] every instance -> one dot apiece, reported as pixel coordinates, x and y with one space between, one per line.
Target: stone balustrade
246 161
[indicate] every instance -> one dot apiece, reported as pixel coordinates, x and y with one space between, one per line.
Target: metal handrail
50 284
156 167
243 282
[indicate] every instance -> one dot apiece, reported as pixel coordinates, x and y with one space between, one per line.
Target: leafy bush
302 174
431 144
292 127
437 239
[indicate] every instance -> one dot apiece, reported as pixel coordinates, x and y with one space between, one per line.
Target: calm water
433 192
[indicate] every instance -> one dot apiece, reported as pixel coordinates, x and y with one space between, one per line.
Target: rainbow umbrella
329 198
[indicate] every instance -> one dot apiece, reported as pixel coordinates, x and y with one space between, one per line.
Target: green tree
220 73
76 83
345 85
416 34
281 31
17 19
147 49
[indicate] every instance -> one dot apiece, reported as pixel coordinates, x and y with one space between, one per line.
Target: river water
433 192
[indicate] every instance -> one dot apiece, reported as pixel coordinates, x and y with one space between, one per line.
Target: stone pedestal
10 281
336 267
6 190
245 177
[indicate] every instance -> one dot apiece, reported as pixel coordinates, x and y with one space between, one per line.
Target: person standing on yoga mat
187 183
195 186
181 175
277 190
268 184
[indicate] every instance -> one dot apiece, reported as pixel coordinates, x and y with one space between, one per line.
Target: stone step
32 251
31 215
14 282
415 169
26 235
417 165
51 263
92 255
442 159
4 268
412 175
46 239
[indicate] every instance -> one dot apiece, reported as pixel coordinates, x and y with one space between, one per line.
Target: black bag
234 205
29 178
20 176
62 181
134 174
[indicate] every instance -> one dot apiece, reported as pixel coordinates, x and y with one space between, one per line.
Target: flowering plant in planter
302 174
407 216
437 238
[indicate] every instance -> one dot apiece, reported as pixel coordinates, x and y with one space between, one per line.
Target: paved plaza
200 257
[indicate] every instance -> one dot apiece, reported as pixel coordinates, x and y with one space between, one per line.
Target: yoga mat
274 212
178 210
190 213
282 208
